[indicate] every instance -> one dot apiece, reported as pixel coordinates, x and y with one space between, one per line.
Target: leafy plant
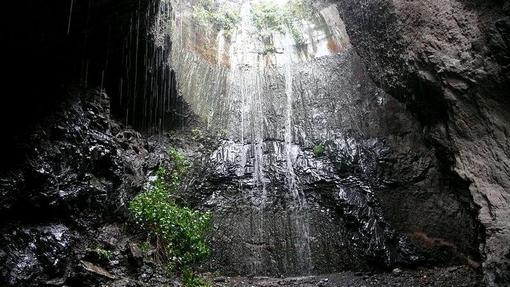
222 17
172 180
178 232
145 247
190 279
103 253
319 149
196 132
296 35
298 9
269 17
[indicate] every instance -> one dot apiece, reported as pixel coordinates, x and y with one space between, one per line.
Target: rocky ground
452 276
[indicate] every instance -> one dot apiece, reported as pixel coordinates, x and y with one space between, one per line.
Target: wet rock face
385 173
74 160
448 62
390 187
377 196
322 224
33 252
80 170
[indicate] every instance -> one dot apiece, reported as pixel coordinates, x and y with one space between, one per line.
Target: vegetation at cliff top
177 232
270 17
223 17
267 16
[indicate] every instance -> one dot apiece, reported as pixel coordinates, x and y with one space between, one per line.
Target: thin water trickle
221 47
102 81
70 17
288 122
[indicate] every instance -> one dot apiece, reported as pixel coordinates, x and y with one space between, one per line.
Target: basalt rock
448 63
75 160
380 194
80 170
35 253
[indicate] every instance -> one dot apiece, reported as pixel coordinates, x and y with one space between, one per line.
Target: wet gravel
451 276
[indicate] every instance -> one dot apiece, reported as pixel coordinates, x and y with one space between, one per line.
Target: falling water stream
70 17
245 92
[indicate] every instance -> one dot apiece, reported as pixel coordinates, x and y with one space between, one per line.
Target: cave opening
224 142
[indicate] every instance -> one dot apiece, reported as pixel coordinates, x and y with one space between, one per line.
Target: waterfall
220 47
246 89
288 120
300 216
243 86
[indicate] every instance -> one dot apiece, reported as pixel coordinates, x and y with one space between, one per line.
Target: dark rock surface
76 160
67 199
448 63
30 252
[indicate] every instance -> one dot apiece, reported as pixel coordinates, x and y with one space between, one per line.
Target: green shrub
178 231
319 149
298 9
190 279
145 247
222 17
269 17
172 181
197 133
103 254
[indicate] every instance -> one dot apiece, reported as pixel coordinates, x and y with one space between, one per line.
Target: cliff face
391 148
379 194
448 63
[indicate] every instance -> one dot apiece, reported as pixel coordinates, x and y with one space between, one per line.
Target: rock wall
448 63
385 189
79 171
63 209
375 169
